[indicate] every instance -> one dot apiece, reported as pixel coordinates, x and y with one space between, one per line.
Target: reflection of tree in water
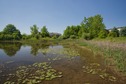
10 48
36 47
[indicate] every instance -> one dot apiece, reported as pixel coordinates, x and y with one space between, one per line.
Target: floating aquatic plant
35 73
8 62
94 68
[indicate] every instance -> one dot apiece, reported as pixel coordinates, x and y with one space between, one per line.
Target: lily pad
34 73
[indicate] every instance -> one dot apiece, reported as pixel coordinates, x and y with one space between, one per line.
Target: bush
103 34
73 37
86 36
115 30
60 37
123 32
54 37
112 34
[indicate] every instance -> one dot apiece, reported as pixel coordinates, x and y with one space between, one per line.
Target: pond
52 64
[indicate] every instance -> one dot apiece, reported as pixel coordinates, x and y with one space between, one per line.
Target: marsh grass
113 52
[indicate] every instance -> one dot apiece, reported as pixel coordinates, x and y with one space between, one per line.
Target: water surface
78 66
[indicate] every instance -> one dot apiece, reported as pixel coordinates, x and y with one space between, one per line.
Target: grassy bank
114 52
111 39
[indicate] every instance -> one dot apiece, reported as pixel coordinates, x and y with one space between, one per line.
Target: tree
84 25
103 34
91 26
71 31
25 36
82 30
66 33
9 29
11 33
34 30
116 31
44 32
123 32
95 25
112 34
86 36
17 35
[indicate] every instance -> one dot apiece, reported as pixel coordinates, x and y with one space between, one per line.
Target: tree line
92 27
10 32
89 28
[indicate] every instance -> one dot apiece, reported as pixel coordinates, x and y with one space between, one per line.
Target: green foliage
103 34
82 30
10 33
116 31
60 37
54 37
66 33
34 30
123 32
95 25
92 25
44 32
71 30
112 34
73 37
24 36
86 36
9 29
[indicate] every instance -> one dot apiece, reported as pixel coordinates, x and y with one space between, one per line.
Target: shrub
73 37
54 37
112 34
123 32
103 34
86 36
115 30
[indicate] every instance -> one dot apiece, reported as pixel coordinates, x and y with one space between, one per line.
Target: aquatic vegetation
68 53
94 69
110 50
32 74
8 62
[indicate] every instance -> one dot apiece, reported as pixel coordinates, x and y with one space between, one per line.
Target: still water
52 64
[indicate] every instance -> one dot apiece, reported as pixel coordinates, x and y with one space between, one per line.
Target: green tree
17 35
95 25
89 28
116 31
34 30
11 33
112 34
123 32
1 36
9 29
82 30
24 36
71 31
103 34
44 32
86 36
66 33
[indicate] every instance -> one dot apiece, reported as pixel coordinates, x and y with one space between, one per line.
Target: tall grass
111 50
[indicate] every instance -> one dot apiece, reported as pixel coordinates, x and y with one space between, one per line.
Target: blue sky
57 14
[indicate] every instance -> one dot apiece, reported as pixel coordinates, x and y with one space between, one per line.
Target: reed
110 50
